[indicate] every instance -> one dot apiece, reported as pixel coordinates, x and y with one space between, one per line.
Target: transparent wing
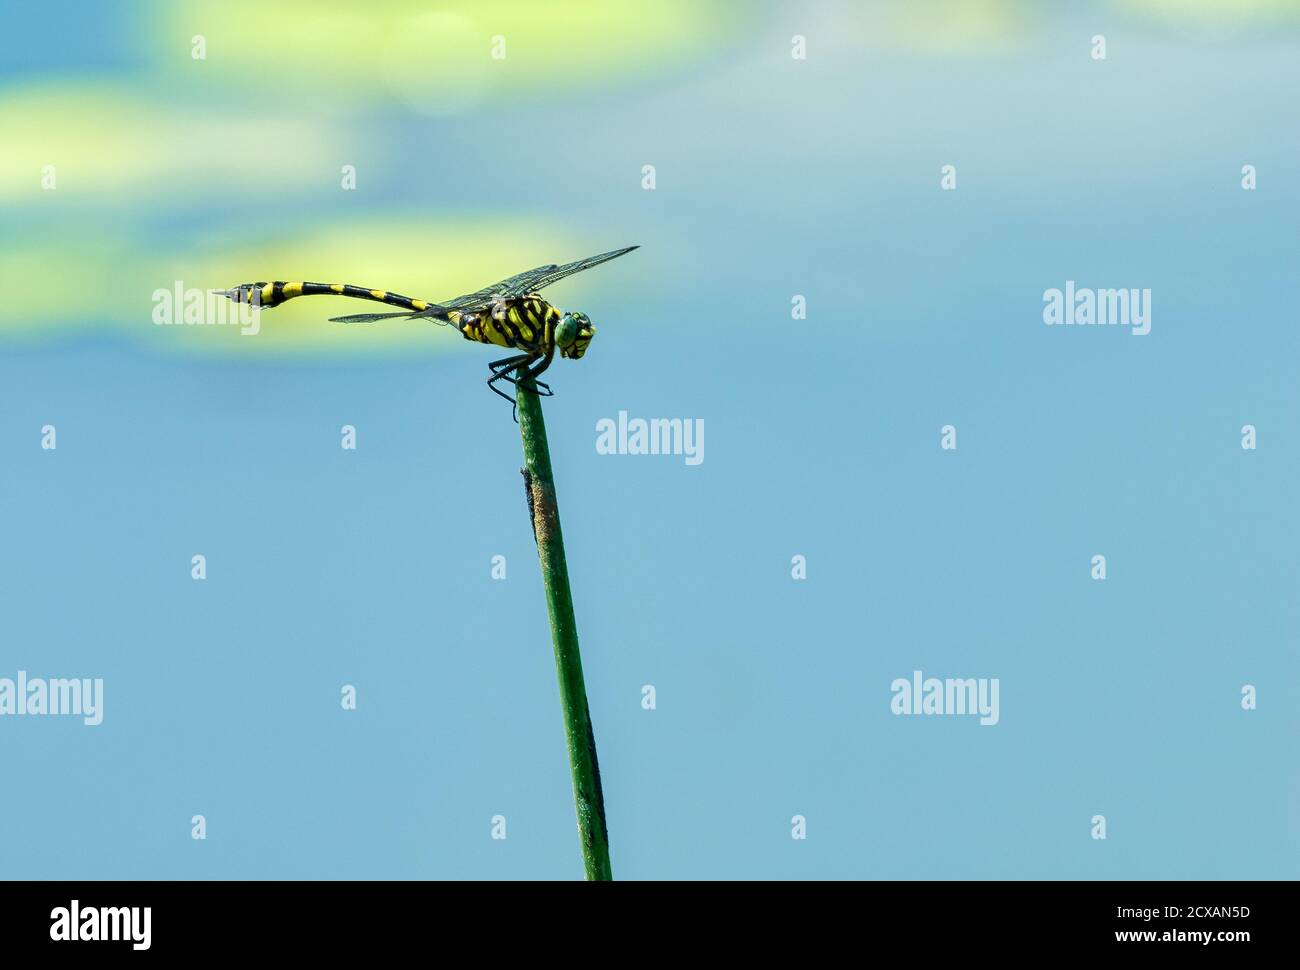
534 279
436 313
478 300
529 281
368 317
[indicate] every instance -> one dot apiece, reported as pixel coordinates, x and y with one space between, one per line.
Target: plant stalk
539 484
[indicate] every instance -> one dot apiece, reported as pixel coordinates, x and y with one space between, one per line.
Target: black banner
174 919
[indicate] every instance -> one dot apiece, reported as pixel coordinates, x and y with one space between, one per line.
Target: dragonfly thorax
526 323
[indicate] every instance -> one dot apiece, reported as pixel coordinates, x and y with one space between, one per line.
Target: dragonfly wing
437 313
517 285
368 317
521 283
529 281
477 300
534 279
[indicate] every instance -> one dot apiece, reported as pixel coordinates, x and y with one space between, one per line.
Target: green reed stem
540 486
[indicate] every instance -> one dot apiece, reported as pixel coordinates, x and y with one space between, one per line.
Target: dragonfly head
573 334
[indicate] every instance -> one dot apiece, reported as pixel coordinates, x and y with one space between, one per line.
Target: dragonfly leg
509 363
544 390
501 372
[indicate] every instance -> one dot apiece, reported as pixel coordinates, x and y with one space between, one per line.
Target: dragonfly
511 314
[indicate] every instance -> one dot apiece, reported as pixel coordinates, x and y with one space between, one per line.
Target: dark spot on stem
532 505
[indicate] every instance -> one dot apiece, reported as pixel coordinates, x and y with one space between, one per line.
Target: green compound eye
567 332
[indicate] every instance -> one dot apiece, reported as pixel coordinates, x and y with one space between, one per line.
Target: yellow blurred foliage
438 58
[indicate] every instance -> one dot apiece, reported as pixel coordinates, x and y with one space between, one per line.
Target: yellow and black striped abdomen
525 323
279 291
